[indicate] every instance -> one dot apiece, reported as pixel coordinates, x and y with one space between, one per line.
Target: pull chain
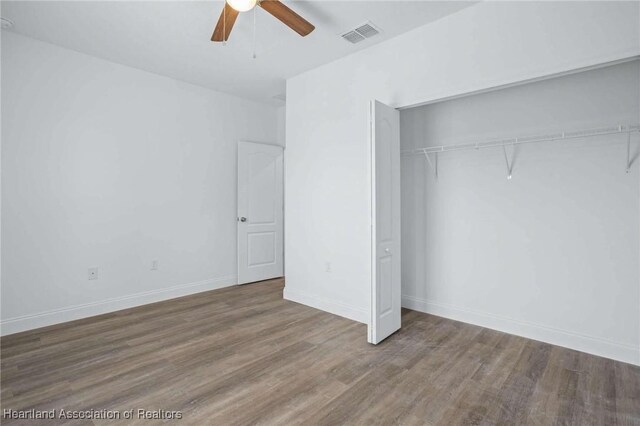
254 32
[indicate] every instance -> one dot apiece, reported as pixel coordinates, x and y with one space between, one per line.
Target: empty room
301 212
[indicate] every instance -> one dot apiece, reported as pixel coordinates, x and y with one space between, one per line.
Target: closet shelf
527 139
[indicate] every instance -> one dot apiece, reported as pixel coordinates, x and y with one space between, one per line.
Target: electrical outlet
93 273
154 265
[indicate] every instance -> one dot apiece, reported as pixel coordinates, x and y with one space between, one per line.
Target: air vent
353 37
367 30
360 33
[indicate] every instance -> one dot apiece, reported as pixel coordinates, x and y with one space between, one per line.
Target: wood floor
242 355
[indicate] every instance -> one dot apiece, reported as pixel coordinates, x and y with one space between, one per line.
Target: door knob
243 219
387 250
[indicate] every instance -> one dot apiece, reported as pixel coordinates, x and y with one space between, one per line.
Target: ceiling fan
233 7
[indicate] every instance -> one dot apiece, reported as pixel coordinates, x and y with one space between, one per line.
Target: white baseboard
327 305
70 313
567 339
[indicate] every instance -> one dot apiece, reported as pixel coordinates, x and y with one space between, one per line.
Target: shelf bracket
506 159
630 160
433 163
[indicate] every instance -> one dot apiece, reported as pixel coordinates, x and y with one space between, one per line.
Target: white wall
105 165
327 208
281 112
552 253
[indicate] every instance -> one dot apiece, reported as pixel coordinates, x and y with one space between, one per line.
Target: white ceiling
172 38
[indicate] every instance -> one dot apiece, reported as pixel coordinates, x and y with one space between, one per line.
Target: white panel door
385 193
260 212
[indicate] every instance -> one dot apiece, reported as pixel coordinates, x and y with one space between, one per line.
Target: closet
521 209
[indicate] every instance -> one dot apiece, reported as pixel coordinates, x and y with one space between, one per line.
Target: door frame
374 251
238 142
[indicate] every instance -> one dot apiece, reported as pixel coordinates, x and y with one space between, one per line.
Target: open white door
385 194
260 212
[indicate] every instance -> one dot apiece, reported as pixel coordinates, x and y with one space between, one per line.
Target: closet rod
527 139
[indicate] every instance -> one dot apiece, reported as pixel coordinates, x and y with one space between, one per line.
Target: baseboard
71 313
567 339
327 305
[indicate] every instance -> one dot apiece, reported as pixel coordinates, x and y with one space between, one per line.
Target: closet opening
520 207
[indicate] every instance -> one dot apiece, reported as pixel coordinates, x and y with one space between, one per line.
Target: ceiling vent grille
364 31
353 37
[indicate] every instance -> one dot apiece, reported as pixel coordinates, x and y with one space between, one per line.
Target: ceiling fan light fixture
280 11
242 5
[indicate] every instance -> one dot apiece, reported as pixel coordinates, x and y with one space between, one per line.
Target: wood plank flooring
243 355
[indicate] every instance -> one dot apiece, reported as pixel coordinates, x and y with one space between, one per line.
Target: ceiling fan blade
287 16
225 23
